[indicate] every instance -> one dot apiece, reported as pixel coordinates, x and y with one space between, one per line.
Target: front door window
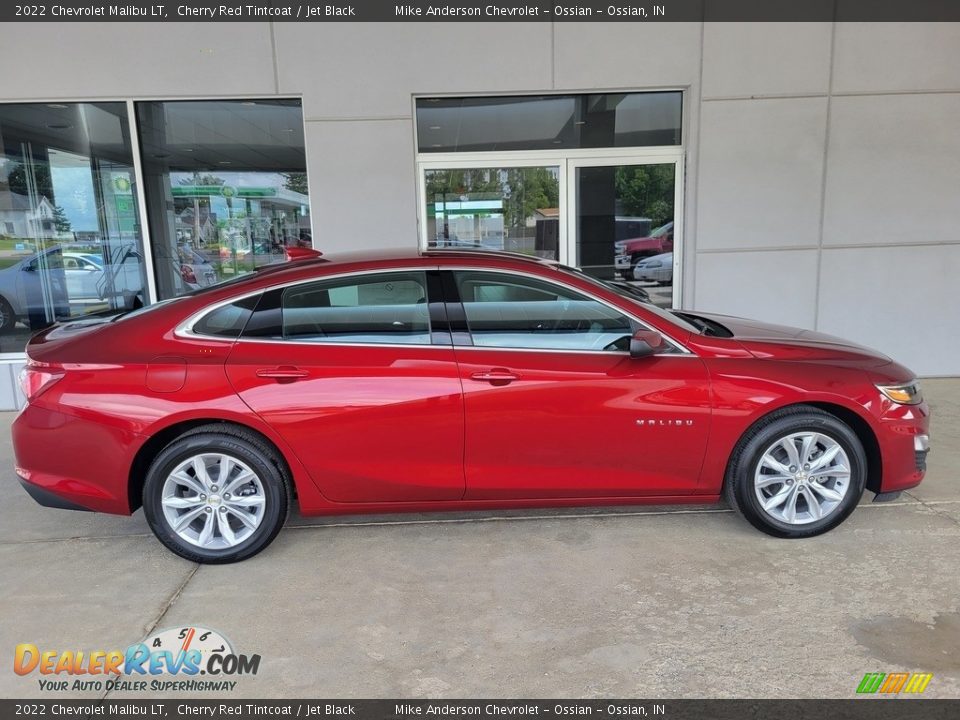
511 311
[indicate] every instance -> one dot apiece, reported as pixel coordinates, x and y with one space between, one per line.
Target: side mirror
645 342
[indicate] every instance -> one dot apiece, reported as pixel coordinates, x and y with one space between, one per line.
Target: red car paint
419 428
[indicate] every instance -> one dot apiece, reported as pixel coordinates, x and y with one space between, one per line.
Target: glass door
513 207
614 215
624 220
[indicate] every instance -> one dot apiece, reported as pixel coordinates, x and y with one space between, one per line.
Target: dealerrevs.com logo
190 659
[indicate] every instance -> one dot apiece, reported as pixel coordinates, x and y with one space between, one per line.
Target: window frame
572 93
568 162
463 337
146 238
436 309
331 283
447 315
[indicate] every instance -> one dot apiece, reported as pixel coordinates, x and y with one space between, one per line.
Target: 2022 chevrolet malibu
451 380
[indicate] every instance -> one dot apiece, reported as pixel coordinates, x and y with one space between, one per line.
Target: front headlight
905 394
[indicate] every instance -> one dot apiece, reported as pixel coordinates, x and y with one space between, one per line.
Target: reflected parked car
455 380
40 289
658 269
629 252
89 278
34 290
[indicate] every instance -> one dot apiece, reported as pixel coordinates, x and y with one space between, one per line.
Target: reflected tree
646 191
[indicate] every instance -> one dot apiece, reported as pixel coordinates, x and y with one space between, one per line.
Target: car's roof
330 262
419 254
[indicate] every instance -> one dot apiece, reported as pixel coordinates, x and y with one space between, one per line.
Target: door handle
285 372
496 377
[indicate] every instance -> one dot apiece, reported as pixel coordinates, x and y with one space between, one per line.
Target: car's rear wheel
216 495
797 473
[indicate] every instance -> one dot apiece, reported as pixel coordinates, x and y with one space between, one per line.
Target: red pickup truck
630 252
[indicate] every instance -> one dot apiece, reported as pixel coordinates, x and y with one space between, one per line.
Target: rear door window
380 308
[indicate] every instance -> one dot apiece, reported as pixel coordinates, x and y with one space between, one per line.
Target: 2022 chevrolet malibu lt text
451 380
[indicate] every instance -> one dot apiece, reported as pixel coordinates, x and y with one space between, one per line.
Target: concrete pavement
643 602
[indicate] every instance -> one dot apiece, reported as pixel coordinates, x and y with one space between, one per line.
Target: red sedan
451 380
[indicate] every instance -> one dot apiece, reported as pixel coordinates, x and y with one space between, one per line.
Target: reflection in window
70 239
227 320
226 187
387 308
548 122
625 219
514 209
507 311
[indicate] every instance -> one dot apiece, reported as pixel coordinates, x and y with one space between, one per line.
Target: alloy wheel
213 501
802 478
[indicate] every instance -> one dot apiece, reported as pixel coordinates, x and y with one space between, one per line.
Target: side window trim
456 313
437 310
196 326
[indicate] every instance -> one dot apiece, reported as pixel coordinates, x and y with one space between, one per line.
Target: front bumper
622 262
904 440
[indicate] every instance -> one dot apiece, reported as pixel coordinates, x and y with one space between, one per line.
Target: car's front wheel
797 473
216 495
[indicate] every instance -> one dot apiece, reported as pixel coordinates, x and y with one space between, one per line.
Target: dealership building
801 173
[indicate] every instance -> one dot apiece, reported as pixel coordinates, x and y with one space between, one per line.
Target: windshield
624 293
662 230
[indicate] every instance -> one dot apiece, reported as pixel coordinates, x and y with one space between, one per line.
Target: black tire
8 319
238 444
739 489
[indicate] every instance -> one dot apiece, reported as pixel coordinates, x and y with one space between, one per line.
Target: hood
782 342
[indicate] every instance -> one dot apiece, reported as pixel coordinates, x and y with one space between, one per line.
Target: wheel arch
866 435
166 435
857 422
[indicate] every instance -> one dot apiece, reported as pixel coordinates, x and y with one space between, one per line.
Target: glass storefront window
226 187
70 241
510 208
548 122
624 229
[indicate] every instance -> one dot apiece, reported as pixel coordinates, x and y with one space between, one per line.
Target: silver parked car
658 268
41 288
